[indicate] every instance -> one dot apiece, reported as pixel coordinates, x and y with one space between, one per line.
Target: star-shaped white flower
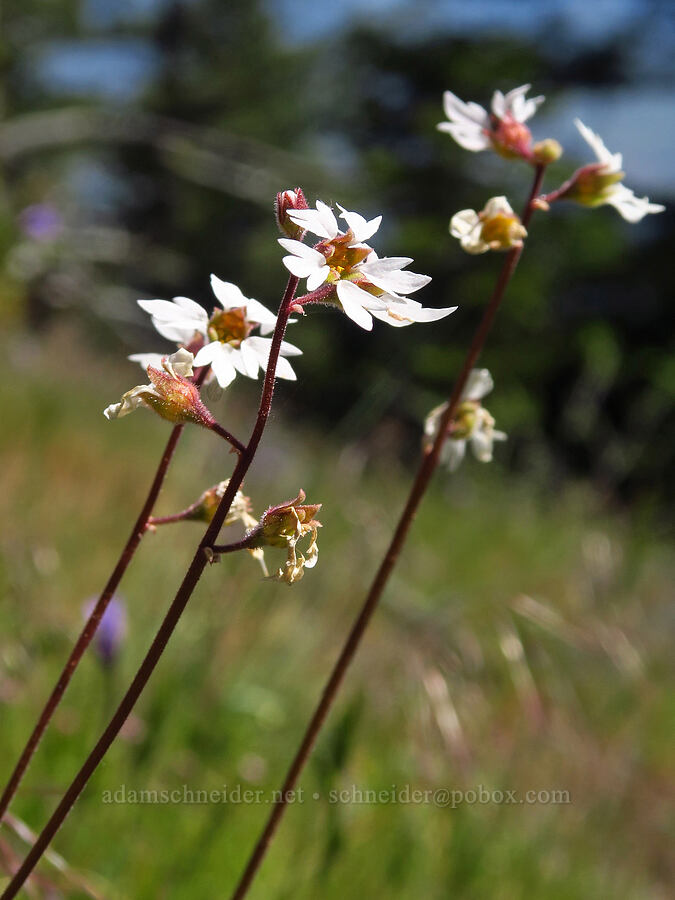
230 346
607 180
366 286
475 129
472 423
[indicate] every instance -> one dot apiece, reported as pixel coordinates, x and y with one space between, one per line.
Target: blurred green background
525 641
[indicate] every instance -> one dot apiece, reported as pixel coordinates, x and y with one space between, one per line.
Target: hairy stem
230 438
427 465
174 612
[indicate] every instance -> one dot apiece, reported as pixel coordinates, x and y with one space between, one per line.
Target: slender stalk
173 614
93 621
230 438
243 544
427 465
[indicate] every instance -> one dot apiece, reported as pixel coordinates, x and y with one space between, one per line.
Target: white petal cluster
632 208
471 126
482 434
178 365
182 319
389 302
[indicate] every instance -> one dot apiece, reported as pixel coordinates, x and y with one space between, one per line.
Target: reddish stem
420 484
92 622
173 614
230 438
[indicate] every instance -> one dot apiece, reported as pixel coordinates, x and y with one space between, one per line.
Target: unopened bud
547 152
284 201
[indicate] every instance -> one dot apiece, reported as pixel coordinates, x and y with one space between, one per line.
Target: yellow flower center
230 326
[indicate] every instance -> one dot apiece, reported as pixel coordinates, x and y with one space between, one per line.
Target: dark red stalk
174 612
420 484
92 622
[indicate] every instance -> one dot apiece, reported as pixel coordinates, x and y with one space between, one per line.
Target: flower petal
386 274
320 221
613 161
229 295
478 384
453 453
632 208
464 222
351 297
362 229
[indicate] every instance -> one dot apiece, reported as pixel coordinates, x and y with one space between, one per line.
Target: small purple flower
41 222
111 630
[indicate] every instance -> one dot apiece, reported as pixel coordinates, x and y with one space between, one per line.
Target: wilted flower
204 509
502 130
169 394
112 628
497 227
284 526
365 286
600 183
472 422
230 347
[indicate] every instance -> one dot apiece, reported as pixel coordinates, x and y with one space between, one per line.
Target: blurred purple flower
41 222
111 630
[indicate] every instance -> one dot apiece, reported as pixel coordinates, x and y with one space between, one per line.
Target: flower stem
243 544
230 438
427 465
92 622
173 614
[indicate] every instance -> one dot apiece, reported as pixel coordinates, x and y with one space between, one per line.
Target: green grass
522 645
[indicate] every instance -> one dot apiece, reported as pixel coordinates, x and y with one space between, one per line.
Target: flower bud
284 201
547 152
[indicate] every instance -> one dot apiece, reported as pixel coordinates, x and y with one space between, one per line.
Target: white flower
497 227
169 393
596 186
230 347
475 129
472 422
366 286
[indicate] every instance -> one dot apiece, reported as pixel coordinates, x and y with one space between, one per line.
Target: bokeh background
525 641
